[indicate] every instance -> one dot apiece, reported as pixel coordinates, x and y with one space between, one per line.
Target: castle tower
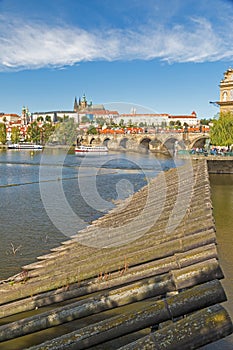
226 92
83 102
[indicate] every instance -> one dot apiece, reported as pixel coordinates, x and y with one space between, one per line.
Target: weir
144 276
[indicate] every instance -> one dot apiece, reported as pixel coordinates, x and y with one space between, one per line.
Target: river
222 200
31 224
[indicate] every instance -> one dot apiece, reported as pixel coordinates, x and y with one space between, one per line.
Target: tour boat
91 149
25 145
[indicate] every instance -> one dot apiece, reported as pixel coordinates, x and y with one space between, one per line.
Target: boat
91 149
25 145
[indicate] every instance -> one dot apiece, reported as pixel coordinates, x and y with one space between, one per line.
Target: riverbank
216 164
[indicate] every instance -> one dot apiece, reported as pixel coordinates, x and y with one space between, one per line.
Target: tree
92 130
171 124
164 125
46 132
221 134
2 133
130 123
34 133
65 133
48 118
205 121
85 119
15 134
121 123
100 121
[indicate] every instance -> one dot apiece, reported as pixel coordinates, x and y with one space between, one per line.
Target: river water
41 191
48 196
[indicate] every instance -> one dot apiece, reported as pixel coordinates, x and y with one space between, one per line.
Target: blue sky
168 56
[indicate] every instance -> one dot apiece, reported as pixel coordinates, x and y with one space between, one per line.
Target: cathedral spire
75 104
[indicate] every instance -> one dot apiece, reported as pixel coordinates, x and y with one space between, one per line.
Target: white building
156 120
146 119
191 120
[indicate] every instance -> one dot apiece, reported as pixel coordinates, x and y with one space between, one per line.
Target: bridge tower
226 92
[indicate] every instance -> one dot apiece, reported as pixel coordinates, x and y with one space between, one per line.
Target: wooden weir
160 291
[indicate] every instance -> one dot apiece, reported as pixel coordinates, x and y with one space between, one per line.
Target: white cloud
36 45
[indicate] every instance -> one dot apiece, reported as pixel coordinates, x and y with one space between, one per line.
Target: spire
75 104
84 98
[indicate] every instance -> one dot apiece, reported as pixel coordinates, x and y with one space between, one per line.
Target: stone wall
220 166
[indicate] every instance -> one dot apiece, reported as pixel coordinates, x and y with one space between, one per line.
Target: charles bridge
157 142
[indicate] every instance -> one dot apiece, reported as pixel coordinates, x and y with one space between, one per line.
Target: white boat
25 145
91 149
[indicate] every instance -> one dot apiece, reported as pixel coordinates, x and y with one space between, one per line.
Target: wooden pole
192 332
104 301
159 311
105 281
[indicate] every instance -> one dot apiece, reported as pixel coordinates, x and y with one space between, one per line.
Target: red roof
11 115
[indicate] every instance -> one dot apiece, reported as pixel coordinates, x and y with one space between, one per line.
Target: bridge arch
106 141
92 140
170 142
199 142
145 142
123 142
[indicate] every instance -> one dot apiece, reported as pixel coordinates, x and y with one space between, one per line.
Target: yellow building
226 92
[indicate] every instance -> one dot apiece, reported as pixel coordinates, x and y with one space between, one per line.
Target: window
231 94
224 96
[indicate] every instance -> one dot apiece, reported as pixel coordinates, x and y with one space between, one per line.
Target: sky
166 56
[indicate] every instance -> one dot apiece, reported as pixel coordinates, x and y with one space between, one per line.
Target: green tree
205 121
100 121
164 125
15 134
221 134
65 133
85 119
92 130
130 123
48 118
34 133
171 124
2 133
121 122
45 132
